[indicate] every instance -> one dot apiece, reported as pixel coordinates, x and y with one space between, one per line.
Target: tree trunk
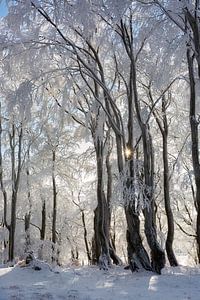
42 230
12 228
85 237
137 255
15 187
28 215
54 198
54 214
162 123
96 245
107 211
3 190
43 223
27 232
157 254
170 219
195 143
104 258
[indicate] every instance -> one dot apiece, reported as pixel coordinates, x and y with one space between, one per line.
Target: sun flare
128 153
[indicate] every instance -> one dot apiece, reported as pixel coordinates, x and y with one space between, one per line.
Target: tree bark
27 220
170 219
28 215
163 127
137 255
43 223
96 245
195 143
54 214
157 254
85 237
42 230
116 260
104 258
15 187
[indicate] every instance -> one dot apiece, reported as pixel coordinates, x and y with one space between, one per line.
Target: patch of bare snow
89 283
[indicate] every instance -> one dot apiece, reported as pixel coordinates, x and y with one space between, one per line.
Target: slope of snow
89 283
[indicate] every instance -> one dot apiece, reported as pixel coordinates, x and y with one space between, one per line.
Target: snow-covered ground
89 283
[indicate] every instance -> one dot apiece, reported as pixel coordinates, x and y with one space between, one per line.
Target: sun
128 153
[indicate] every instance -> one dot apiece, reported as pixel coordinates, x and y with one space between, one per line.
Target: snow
89 283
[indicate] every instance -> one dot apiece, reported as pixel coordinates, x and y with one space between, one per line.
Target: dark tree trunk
195 143
137 255
96 245
85 237
15 187
12 228
54 198
42 230
3 190
43 223
54 213
28 215
163 126
157 254
107 211
170 219
104 258
27 232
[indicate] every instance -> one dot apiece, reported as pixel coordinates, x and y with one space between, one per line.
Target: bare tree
188 23
157 254
162 121
15 143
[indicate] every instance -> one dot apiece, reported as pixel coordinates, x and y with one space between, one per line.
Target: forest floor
89 283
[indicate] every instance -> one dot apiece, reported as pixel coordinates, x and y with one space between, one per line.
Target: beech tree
15 143
185 18
101 72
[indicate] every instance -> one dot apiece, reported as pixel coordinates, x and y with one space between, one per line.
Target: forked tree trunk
163 127
157 254
85 233
101 245
137 255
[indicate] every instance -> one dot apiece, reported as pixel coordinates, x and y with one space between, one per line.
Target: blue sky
3 8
